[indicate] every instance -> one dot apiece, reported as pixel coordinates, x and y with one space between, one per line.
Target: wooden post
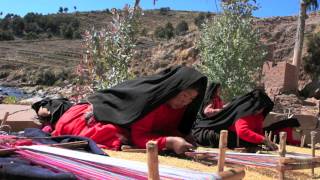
153 163
222 149
275 138
4 120
313 149
303 138
282 153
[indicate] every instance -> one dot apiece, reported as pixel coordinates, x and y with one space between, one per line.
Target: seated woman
160 107
212 103
243 117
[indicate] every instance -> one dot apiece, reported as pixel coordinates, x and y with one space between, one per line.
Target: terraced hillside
20 60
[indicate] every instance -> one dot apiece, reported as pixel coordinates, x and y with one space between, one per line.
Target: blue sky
267 7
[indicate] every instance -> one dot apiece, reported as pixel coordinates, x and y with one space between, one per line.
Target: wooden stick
282 153
126 148
222 149
232 174
275 138
266 134
303 138
71 145
270 136
153 162
6 152
4 120
313 136
238 141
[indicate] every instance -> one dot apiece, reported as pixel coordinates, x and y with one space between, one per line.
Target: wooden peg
313 149
153 162
282 153
222 149
270 136
303 138
275 138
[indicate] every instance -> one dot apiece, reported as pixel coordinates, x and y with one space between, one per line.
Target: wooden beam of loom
290 160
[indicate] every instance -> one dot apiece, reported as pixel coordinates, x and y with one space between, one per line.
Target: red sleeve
244 132
141 132
290 139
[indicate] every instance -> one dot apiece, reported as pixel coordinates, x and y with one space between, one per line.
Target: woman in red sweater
161 107
243 117
212 104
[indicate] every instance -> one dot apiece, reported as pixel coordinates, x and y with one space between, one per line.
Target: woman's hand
178 145
211 112
273 146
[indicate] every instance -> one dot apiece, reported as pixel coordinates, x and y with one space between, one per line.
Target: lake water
11 91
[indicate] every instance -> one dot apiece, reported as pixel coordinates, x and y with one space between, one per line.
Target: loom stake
153 167
313 135
303 138
222 149
282 153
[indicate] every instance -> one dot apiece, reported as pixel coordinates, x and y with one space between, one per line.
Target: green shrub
10 100
31 36
166 32
230 49
182 28
110 51
6 36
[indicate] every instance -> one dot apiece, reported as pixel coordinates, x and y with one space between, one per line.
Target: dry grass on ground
251 173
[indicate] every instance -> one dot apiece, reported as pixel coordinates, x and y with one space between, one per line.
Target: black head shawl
133 99
211 90
239 107
56 107
291 122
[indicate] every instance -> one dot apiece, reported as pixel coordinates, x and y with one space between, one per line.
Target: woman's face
218 91
183 99
259 111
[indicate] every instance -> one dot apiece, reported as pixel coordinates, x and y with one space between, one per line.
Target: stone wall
278 78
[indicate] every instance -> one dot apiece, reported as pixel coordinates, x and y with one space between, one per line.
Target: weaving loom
91 166
286 161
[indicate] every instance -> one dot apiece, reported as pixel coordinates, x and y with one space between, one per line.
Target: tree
296 61
65 10
18 25
230 48
312 59
60 9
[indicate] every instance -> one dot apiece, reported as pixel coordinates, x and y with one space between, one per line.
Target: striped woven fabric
250 159
91 166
